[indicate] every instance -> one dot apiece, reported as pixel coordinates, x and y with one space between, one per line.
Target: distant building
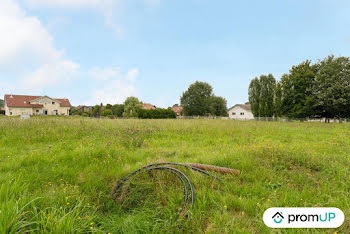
177 110
35 105
147 106
240 112
83 108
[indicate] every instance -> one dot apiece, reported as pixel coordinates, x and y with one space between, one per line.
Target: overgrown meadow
57 174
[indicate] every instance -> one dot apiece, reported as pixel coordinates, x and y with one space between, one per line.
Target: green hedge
157 114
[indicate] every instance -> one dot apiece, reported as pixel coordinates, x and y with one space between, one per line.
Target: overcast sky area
94 51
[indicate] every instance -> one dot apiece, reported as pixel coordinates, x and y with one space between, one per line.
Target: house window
233 113
37 111
53 103
242 113
10 113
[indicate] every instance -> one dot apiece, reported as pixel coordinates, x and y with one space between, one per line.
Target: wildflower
91 223
67 203
91 228
268 200
225 206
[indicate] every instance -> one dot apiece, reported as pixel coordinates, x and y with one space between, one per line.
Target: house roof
177 109
24 101
79 107
148 106
246 107
64 102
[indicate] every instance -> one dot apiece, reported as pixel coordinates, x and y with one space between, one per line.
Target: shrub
107 112
118 110
157 114
85 114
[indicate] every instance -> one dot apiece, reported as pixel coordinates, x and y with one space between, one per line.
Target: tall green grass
56 174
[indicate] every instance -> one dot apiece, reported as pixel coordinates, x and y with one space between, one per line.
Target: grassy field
56 174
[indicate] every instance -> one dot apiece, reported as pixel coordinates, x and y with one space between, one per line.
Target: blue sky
94 51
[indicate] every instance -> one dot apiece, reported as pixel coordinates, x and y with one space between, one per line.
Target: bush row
157 114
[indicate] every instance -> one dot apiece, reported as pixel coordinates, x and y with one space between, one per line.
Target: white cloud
113 86
50 74
132 74
23 36
27 50
105 73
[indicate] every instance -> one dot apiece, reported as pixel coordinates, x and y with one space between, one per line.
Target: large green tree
278 101
297 91
2 103
218 106
267 94
261 94
199 99
196 99
254 96
332 84
131 106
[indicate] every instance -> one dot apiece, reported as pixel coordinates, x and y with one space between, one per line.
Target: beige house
240 112
35 105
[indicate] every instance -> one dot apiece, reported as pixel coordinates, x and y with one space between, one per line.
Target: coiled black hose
178 173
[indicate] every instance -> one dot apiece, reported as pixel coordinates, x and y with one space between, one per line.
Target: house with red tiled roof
177 110
148 106
35 105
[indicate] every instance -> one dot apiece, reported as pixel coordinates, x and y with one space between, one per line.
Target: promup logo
278 217
303 217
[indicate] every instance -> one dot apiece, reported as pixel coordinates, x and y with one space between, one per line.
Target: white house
240 112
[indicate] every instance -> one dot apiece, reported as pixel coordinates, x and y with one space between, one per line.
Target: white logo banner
303 217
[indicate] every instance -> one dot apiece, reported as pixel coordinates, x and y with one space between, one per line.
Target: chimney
11 96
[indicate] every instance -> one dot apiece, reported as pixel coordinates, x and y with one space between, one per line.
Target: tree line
131 108
309 90
198 99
